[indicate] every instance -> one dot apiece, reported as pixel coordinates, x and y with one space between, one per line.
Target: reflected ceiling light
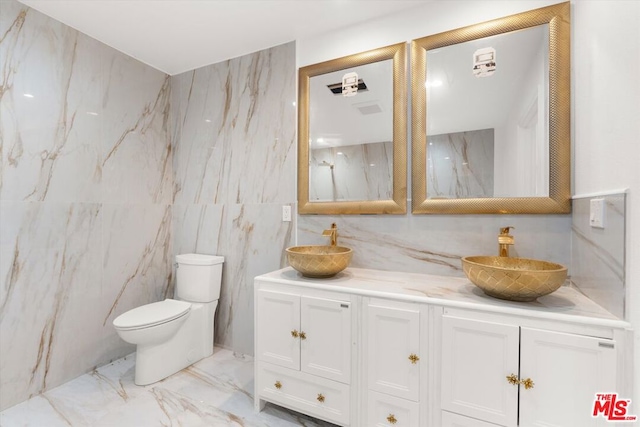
207 120
431 143
434 83
92 113
320 140
28 95
339 153
372 164
446 158
294 103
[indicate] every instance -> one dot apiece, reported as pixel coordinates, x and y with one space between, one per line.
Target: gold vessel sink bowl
319 261
514 279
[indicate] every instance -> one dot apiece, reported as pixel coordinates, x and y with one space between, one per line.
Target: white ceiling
180 35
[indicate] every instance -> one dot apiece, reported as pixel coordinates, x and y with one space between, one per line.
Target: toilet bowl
152 323
173 334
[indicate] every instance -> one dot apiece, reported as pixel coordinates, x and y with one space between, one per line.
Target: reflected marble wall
235 166
85 199
460 165
352 172
598 255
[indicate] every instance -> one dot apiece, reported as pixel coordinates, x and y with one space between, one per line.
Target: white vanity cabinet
387 349
303 351
393 361
501 372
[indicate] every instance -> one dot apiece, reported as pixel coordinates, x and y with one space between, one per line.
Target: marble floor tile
217 391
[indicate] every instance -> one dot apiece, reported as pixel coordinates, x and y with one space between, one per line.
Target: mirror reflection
487 127
351 137
352 134
491 115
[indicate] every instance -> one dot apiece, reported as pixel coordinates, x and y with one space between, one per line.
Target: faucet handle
505 230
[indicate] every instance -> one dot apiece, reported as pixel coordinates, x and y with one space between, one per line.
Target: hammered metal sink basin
514 279
319 261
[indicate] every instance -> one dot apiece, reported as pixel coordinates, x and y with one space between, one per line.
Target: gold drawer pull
320 398
295 333
414 358
391 419
303 335
528 383
278 385
513 379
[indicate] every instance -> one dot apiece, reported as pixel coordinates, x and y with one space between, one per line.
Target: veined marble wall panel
137 258
434 244
598 255
233 131
460 165
352 172
50 142
237 127
136 150
50 268
85 193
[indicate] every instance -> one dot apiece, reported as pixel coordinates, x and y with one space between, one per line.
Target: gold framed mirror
491 116
352 142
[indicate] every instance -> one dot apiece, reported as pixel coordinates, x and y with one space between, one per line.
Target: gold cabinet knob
320 398
295 333
527 383
513 379
391 419
303 336
278 385
414 358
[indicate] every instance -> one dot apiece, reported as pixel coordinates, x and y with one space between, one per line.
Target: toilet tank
198 277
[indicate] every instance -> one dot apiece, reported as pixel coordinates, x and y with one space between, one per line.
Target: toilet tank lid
199 259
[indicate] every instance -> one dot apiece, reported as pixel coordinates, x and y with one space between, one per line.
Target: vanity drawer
316 396
449 419
385 411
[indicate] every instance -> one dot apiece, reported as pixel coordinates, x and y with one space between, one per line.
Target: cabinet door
278 315
393 338
567 371
326 340
477 357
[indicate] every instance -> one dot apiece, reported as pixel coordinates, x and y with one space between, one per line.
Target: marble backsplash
598 254
434 244
85 199
235 166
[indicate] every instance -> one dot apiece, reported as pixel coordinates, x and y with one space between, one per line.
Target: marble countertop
566 303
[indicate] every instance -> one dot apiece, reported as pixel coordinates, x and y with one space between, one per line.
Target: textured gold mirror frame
398 205
559 200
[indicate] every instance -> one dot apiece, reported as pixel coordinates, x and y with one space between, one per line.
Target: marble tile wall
352 172
460 165
598 255
85 199
233 136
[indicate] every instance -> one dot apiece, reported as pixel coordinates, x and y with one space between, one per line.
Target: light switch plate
286 213
596 214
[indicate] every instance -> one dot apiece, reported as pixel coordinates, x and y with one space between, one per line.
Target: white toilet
172 334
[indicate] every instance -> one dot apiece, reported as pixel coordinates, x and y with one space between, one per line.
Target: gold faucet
504 241
333 233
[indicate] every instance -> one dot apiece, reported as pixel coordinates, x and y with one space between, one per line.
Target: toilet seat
152 314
